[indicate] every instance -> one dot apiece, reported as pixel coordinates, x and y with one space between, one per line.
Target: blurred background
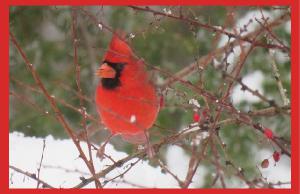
45 34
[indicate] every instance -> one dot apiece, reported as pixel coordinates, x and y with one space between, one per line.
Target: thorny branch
209 27
58 115
203 62
31 175
276 74
83 109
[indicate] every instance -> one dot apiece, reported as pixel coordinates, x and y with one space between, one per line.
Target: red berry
268 133
196 117
265 163
276 156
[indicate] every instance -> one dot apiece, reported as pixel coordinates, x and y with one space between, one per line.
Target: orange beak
106 71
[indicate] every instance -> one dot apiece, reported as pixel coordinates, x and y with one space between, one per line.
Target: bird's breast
127 110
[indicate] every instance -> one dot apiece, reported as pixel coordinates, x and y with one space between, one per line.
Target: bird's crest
119 50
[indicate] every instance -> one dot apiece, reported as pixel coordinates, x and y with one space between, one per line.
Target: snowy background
61 156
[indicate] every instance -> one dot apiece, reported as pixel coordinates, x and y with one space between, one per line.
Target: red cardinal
126 99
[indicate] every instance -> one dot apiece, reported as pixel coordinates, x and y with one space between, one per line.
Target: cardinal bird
126 99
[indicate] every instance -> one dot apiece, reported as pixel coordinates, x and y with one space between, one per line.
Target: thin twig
32 176
203 61
276 74
41 161
58 115
83 109
206 26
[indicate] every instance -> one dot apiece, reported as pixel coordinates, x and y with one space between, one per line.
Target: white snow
167 11
194 102
131 35
287 27
25 153
253 81
100 26
61 156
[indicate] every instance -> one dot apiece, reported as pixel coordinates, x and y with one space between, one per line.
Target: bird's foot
150 151
101 151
